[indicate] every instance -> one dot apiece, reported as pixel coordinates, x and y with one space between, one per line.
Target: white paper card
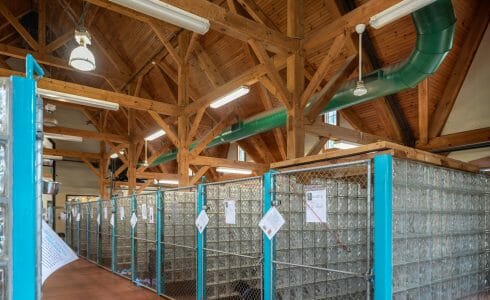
55 253
98 219
201 221
73 211
105 213
316 206
112 220
62 216
144 213
230 212
78 217
151 216
121 213
133 220
271 222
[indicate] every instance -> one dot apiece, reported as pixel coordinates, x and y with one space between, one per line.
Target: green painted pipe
435 26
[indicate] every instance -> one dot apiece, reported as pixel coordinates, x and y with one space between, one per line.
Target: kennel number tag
105 213
144 213
78 217
112 220
230 212
316 206
98 219
202 220
134 220
121 213
271 222
151 216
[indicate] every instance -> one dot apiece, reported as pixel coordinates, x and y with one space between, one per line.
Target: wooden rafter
73 154
423 108
471 137
221 162
341 133
87 134
90 166
5 11
170 132
318 146
41 24
199 174
225 122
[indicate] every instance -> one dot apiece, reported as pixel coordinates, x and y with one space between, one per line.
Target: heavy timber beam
295 83
222 162
477 136
72 154
423 107
95 93
182 121
88 134
341 133
158 176
16 24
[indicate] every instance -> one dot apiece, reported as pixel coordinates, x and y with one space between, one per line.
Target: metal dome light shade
81 58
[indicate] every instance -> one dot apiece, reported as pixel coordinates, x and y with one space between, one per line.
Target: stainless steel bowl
51 187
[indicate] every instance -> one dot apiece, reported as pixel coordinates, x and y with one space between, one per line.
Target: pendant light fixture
360 89
81 58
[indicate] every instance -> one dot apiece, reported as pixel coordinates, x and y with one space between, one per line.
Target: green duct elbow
435 25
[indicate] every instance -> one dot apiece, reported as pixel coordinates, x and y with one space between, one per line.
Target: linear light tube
63 137
233 171
167 13
233 95
397 11
75 99
155 135
166 181
52 157
345 145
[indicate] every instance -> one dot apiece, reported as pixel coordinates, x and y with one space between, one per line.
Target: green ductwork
435 26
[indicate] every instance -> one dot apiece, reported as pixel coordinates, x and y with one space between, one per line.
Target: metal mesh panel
69 226
441 221
145 240
93 231
179 243
234 251
105 236
122 218
318 257
84 213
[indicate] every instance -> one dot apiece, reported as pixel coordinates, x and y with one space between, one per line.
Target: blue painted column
133 241
383 236
25 213
268 246
201 244
160 252
114 234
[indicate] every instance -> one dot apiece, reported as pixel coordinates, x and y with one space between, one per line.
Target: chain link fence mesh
145 240
69 225
234 249
324 252
122 216
84 215
179 243
441 233
105 236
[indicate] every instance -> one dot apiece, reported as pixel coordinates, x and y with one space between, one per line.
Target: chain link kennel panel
122 216
93 231
105 235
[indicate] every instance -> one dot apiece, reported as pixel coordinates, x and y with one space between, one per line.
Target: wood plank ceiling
132 59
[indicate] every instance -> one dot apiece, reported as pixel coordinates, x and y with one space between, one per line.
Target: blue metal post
87 228
160 251
79 243
25 214
201 244
268 246
133 241
383 260
114 233
99 231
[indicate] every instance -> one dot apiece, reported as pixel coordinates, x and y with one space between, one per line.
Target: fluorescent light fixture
167 13
75 99
345 145
114 155
233 171
63 137
52 157
233 95
397 11
155 135
167 181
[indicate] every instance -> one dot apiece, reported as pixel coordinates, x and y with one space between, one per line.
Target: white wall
75 179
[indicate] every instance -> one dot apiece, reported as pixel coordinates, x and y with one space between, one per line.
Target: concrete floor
82 280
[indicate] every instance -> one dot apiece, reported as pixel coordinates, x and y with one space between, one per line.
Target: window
330 118
241 154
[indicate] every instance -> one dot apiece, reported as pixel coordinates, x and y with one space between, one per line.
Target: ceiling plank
457 77
257 14
470 137
423 108
5 11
